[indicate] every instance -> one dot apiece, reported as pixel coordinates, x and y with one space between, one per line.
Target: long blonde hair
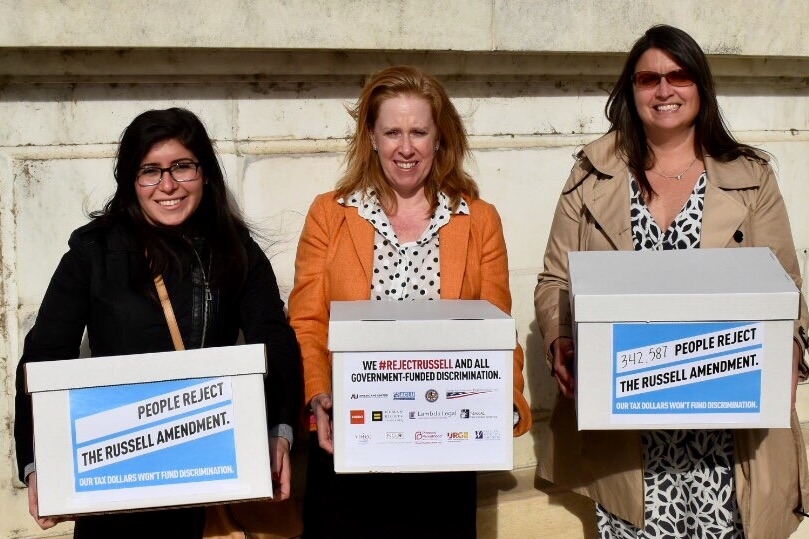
447 175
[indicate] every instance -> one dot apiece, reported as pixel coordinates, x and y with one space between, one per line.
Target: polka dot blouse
404 271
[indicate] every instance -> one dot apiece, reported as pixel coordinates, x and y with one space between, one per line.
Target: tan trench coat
593 214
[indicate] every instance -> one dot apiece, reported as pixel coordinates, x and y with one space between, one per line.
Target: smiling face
405 136
665 110
169 203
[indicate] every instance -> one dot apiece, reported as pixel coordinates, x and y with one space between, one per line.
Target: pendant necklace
679 176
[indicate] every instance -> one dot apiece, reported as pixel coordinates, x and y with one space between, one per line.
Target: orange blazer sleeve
328 266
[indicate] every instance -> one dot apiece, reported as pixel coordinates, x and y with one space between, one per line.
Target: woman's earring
436 148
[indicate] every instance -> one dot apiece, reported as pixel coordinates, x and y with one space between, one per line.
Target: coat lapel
362 235
723 213
454 242
607 200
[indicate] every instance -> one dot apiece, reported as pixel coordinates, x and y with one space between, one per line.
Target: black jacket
93 288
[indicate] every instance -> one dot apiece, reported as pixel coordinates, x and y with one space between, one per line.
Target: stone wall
272 79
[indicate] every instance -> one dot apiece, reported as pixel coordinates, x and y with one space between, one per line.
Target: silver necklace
679 176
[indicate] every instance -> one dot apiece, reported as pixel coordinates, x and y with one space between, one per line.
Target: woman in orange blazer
405 223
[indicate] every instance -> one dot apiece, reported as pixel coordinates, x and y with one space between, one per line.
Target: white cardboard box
150 430
698 338
422 385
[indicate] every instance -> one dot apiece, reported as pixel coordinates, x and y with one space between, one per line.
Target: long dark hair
712 134
447 174
217 219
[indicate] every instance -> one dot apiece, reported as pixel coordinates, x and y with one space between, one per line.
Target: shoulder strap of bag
174 329
219 521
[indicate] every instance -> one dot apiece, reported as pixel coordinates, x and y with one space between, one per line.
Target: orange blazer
335 263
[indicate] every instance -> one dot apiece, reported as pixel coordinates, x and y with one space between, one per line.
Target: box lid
692 284
387 326
141 368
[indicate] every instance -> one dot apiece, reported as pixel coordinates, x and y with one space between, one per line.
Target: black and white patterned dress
689 490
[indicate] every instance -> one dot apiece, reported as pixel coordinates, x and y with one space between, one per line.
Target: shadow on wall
544 395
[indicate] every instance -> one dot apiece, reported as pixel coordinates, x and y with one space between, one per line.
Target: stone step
517 504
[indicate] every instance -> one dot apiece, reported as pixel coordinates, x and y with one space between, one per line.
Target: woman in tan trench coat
669 175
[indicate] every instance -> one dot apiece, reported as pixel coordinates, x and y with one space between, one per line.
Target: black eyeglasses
185 171
650 79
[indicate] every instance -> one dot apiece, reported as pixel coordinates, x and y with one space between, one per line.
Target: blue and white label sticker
153 434
687 368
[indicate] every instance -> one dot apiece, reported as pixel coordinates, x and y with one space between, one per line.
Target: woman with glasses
669 175
171 217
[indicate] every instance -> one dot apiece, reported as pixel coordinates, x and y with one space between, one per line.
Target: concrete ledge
482 25
305 69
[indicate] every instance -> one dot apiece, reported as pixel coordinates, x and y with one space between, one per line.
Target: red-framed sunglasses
650 79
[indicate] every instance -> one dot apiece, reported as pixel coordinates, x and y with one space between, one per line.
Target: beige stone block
278 191
311 112
751 105
546 107
517 504
51 199
299 24
524 185
596 25
98 113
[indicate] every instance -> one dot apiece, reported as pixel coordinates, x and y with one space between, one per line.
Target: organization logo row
428 437
431 395
359 417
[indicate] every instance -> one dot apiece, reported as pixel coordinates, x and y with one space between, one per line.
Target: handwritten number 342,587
639 358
